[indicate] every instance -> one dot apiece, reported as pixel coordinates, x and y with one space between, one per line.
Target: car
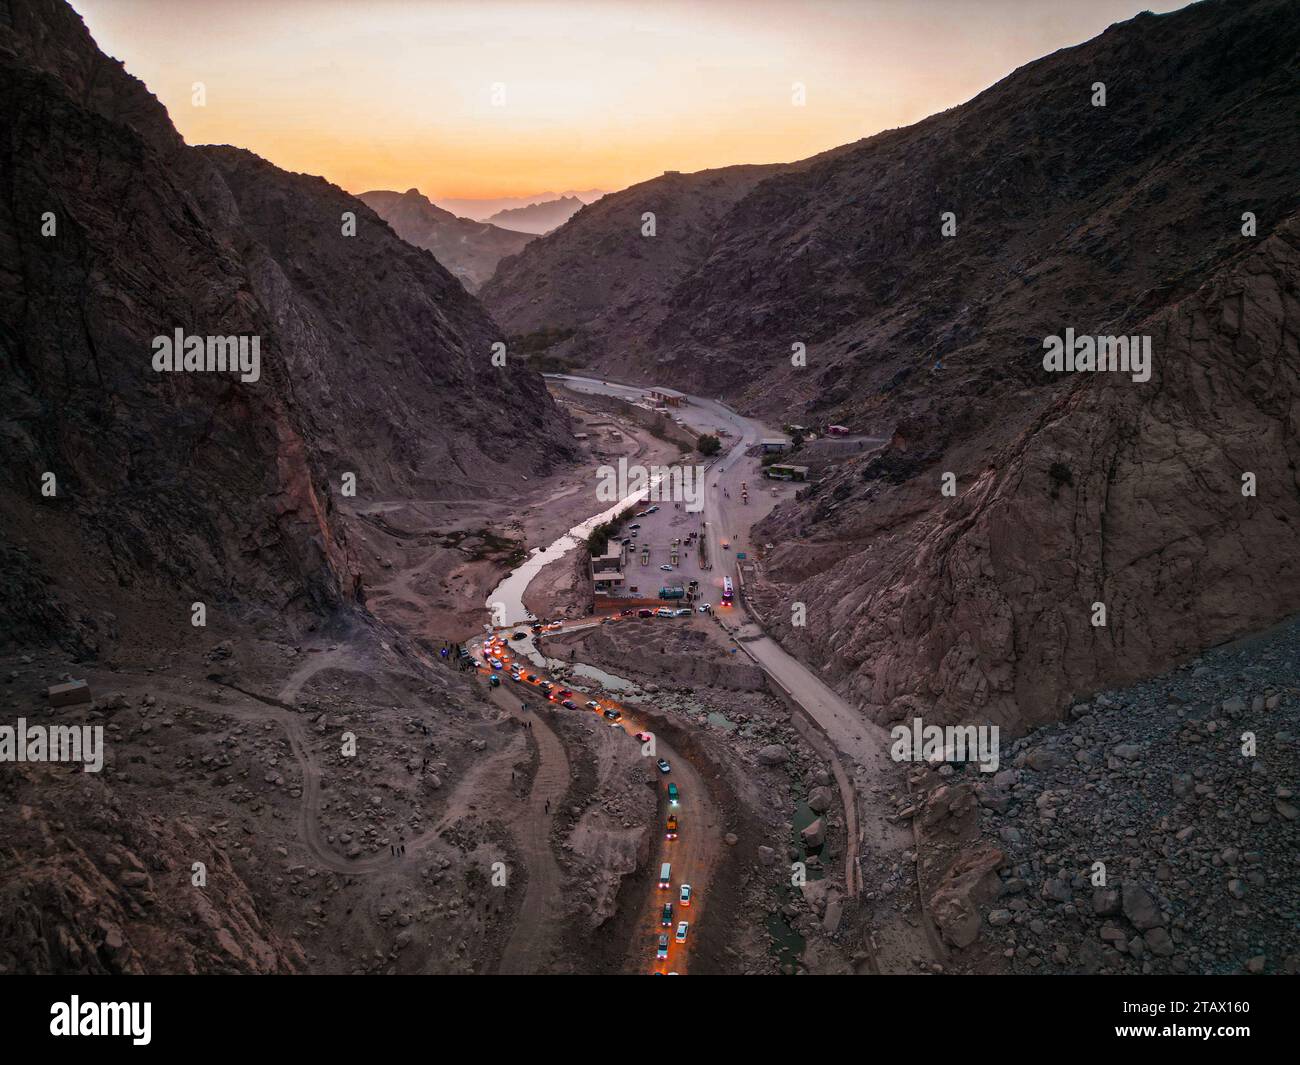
705 608
592 704
496 664
494 680
546 686
643 737
645 612
682 928
634 527
682 612
613 715
662 951
563 693
684 896
666 915
531 678
663 612
666 568
569 704
653 509
663 765
520 636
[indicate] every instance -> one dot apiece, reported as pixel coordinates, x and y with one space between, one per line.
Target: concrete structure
774 444
607 576
783 471
666 397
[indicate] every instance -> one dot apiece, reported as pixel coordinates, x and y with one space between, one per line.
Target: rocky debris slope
1199 840
469 249
92 882
177 487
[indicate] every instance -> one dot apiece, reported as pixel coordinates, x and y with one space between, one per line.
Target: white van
665 875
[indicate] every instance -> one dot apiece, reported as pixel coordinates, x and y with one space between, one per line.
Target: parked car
569 704
663 765
662 951
613 715
663 612
684 896
666 568
645 612
666 915
705 608
643 737
592 704
682 928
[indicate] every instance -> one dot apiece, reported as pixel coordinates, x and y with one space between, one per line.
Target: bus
726 591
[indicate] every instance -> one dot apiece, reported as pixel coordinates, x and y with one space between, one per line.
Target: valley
881 562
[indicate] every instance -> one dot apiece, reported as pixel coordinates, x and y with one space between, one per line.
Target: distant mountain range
469 249
539 218
484 209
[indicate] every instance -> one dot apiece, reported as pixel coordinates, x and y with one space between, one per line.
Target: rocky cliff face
1122 219
165 488
469 249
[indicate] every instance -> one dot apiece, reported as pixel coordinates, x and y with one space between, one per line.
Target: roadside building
607 576
774 445
667 397
783 471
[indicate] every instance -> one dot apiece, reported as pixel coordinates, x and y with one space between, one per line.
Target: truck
672 794
672 592
671 832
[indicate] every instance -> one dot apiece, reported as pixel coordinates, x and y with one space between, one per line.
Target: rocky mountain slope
1122 219
599 277
469 249
175 487
538 217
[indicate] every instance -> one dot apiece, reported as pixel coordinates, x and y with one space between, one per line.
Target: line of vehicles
499 659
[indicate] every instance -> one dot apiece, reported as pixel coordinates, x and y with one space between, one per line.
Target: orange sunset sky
398 93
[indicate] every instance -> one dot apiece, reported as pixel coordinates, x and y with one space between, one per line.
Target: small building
667 397
579 436
774 445
607 576
783 471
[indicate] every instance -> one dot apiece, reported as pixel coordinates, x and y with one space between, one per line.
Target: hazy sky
399 93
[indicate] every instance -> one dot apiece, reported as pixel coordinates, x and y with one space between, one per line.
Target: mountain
599 276
483 209
539 217
469 249
166 488
1071 489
